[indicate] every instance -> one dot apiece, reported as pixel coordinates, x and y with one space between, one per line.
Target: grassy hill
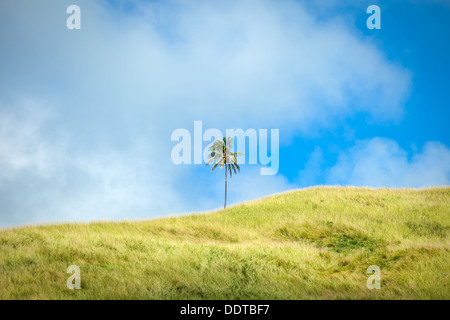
309 244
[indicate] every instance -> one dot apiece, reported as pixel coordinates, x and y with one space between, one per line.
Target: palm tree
222 155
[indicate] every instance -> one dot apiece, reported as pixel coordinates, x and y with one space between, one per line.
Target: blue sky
86 115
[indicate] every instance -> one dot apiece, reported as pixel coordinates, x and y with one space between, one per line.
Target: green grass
309 244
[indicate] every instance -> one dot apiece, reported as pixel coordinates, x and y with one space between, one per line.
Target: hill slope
309 244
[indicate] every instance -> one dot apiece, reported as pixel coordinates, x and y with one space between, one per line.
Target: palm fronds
221 155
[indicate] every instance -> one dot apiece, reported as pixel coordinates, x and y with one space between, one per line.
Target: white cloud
267 61
116 185
21 145
43 178
382 163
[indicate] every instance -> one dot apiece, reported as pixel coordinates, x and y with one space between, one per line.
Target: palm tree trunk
225 204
